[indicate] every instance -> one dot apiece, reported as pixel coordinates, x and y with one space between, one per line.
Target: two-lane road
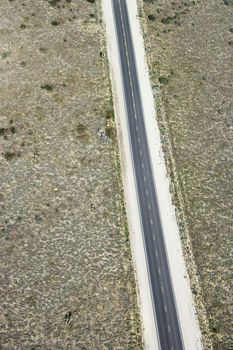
169 332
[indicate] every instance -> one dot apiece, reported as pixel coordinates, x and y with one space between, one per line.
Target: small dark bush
47 87
164 80
151 18
55 23
228 2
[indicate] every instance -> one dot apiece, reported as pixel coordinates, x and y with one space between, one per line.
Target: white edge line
149 329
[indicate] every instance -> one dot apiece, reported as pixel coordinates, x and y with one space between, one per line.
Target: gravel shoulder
66 276
189 48
185 305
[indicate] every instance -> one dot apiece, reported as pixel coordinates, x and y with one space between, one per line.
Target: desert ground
189 47
67 280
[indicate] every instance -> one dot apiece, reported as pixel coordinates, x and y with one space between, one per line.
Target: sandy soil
189 49
66 276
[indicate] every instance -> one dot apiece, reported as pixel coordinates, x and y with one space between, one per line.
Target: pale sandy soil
66 276
190 52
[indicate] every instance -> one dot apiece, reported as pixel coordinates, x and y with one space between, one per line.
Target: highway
166 317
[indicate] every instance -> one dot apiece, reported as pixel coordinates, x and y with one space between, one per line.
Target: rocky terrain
190 53
66 278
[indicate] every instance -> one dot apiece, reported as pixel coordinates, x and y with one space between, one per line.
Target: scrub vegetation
189 49
66 275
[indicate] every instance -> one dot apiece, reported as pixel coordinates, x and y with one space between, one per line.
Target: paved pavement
161 286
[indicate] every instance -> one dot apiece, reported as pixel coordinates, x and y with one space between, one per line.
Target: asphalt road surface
169 332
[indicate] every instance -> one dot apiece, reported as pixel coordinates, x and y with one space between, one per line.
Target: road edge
183 296
177 198
149 332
